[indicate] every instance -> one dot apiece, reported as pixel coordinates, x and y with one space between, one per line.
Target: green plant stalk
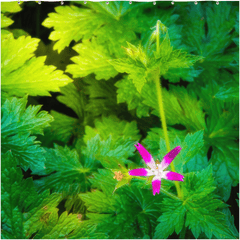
161 108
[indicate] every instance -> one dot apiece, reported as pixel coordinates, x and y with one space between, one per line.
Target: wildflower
156 169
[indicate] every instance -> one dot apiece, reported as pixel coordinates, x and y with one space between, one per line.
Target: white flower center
157 171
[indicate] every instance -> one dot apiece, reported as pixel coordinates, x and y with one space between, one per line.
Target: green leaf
171 220
211 43
17 124
22 73
58 227
112 142
93 58
174 75
10 7
230 91
73 97
178 106
136 65
75 204
102 97
72 23
22 207
109 212
5 21
202 206
64 127
199 209
68 175
225 160
127 92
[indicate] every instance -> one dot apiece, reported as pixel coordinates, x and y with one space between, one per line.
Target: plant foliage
94 80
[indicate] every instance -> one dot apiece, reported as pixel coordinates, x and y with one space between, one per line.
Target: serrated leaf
22 206
68 175
212 43
225 160
171 220
17 124
67 21
93 58
64 127
22 73
58 227
112 142
102 97
202 206
127 92
73 98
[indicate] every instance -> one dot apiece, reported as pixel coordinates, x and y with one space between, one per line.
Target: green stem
161 109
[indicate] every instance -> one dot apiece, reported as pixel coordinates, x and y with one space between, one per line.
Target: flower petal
173 176
169 157
147 157
156 185
139 172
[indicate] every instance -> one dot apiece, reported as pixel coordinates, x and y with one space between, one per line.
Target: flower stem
161 108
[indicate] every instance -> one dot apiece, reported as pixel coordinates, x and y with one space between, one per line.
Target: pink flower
156 169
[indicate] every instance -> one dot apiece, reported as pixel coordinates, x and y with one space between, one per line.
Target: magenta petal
173 176
138 172
169 157
145 155
156 185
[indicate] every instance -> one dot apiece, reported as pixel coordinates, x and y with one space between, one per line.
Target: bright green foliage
141 63
137 66
26 212
5 21
67 21
110 211
6 8
171 220
22 73
68 175
93 58
75 23
17 124
65 223
111 142
65 174
201 204
200 207
10 7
